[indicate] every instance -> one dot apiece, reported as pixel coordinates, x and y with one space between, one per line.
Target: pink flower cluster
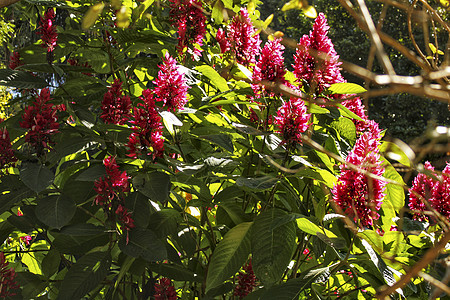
47 30
246 281
111 191
147 128
270 67
41 121
188 17
14 61
115 106
7 158
7 278
170 86
164 290
322 73
292 121
241 39
358 195
436 191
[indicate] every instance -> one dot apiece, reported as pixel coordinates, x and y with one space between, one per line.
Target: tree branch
4 3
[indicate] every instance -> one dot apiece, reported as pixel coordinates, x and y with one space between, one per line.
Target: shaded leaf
258 183
36 176
143 243
271 249
85 275
155 185
229 256
21 79
55 211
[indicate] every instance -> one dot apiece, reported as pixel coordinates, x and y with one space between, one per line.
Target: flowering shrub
132 171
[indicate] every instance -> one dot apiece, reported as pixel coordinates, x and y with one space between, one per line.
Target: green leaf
32 284
346 129
78 245
50 263
88 272
318 174
82 229
165 222
176 272
271 249
21 79
346 88
345 112
258 183
217 80
316 109
222 140
93 173
143 243
139 205
55 211
92 15
36 176
155 185
394 152
309 227
394 198
229 256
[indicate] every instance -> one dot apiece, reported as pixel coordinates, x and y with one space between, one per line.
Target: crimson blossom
7 157
14 60
170 86
42 122
244 42
317 73
246 281
440 195
292 121
421 188
164 290
115 106
7 278
147 129
111 190
358 195
188 17
270 66
47 30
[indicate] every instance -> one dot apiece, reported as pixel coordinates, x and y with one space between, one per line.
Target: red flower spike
222 40
321 73
147 129
113 186
115 106
422 187
292 120
270 67
47 30
188 17
7 158
246 281
170 86
14 61
164 290
359 196
245 44
440 195
7 278
42 122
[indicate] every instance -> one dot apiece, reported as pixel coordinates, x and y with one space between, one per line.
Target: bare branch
5 3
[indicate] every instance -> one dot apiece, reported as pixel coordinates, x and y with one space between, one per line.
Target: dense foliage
162 150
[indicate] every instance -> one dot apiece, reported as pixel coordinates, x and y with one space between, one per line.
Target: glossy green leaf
222 140
216 80
271 249
21 79
36 176
394 152
229 255
155 185
85 275
257 183
55 211
143 243
346 88
346 129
